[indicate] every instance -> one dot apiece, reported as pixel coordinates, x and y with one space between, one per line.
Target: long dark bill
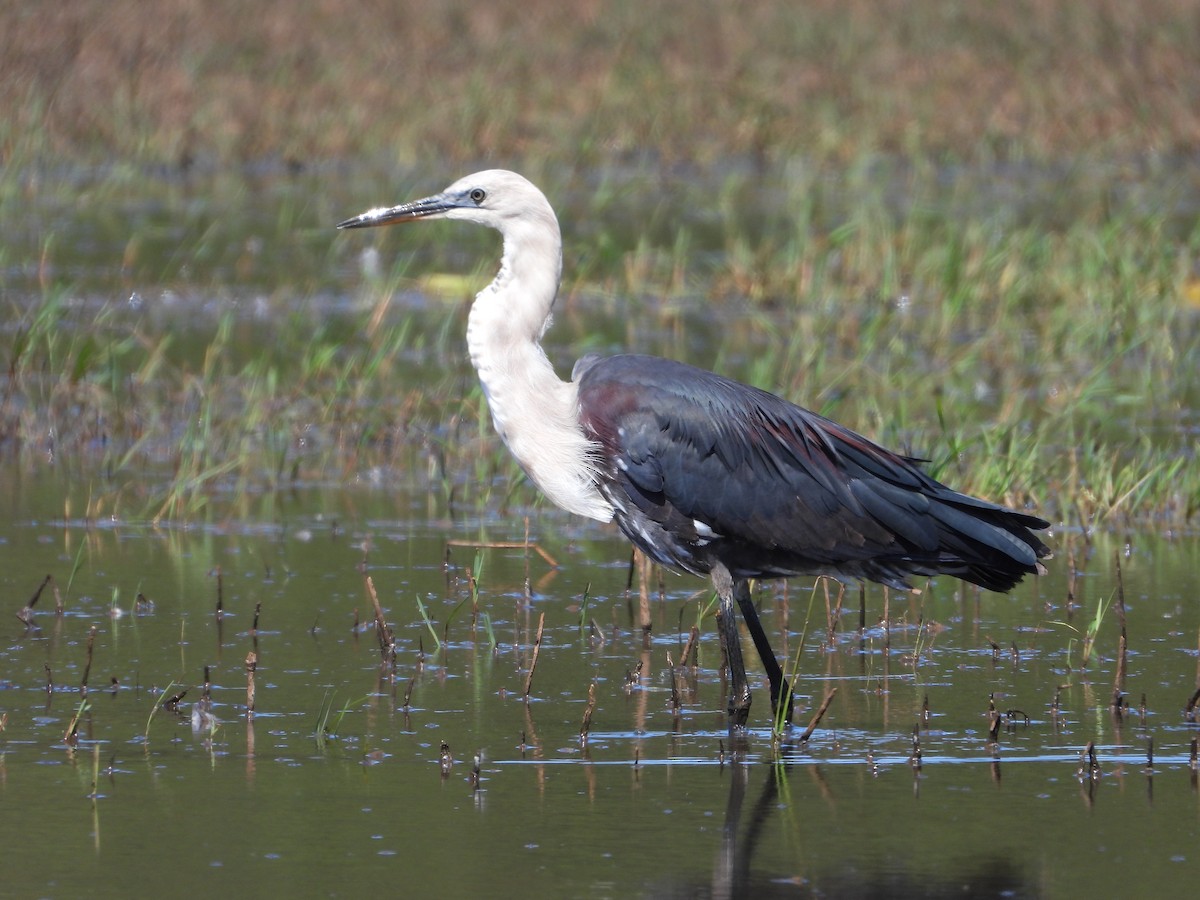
406 212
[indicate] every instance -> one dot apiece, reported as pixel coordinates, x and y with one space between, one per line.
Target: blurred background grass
678 81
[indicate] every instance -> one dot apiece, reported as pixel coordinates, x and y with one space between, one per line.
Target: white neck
534 411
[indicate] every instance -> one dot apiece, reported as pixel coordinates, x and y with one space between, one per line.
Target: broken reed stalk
25 614
537 646
837 609
1011 716
1093 764
995 647
71 737
817 716
1189 711
643 569
674 685
254 626
828 610
993 715
251 667
587 714
87 666
1122 640
690 649
633 678
387 641
38 593
220 596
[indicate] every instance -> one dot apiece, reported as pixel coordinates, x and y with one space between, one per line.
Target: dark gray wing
719 469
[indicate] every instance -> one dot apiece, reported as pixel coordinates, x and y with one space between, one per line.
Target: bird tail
986 544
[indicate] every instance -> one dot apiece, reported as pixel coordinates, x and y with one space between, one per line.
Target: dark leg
739 689
779 685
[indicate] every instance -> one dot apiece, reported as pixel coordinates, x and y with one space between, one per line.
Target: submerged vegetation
968 232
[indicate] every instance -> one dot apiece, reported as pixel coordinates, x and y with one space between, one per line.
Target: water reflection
913 783
737 873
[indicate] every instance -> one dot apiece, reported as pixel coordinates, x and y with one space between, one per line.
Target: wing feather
786 489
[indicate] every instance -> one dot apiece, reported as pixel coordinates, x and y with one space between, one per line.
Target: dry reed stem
387 642
537 646
251 667
1122 640
586 726
506 545
818 715
691 655
642 563
25 614
87 666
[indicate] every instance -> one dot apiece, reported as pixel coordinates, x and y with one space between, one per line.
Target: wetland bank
917 222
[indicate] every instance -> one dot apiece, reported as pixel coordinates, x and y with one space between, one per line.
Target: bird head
496 198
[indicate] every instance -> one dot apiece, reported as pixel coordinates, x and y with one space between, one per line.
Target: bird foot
739 708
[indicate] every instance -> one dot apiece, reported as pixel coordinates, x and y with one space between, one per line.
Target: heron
704 474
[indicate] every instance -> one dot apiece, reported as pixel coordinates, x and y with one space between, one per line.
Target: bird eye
477 195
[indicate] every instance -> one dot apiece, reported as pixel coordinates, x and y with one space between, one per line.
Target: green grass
437 639
158 701
1046 365
959 230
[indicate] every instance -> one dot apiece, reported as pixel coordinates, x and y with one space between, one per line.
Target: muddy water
335 786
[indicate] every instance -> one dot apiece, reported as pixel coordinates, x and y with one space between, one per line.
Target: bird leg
739 688
779 685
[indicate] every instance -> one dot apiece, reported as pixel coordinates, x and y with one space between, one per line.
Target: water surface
656 803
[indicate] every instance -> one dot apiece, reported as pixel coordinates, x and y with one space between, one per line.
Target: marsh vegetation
967 231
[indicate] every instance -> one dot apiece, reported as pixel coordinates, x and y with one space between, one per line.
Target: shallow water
656 803
336 786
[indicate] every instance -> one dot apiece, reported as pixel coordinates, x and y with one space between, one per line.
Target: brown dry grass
593 80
